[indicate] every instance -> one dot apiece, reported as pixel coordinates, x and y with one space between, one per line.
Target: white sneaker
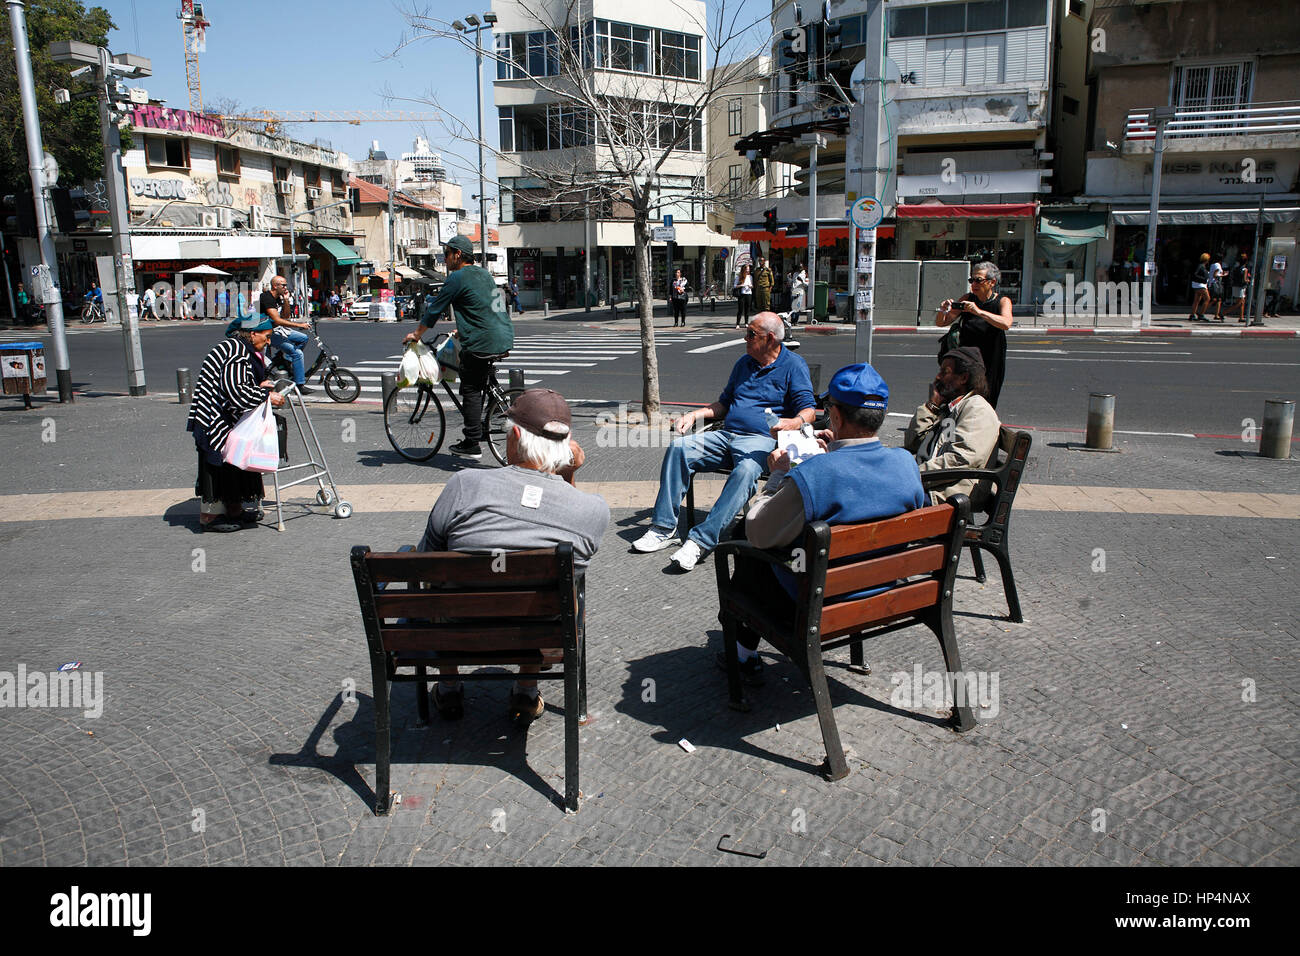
654 540
688 555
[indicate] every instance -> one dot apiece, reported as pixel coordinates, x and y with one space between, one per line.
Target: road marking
1054 358
1090 352
722 345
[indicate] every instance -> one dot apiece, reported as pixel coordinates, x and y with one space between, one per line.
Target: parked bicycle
416 423
340 384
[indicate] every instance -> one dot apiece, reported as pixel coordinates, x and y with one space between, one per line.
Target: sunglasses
751 334
975 279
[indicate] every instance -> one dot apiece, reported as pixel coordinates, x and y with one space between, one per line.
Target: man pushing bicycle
482 327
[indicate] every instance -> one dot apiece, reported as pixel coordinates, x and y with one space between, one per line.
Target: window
567 126
168 153
986 15
946 18
980 43
735 117
1026 13
907 22
679 55
311 176
1077 9
623 46
1070 105
512 56
734 181
506 120
227 161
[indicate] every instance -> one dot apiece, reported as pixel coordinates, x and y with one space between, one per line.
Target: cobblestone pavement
1145 711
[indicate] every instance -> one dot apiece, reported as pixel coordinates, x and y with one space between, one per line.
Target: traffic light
831 45
769 221
71 208
20 215
354 199
793 53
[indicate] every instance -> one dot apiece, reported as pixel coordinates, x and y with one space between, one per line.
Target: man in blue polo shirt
858 480
767 378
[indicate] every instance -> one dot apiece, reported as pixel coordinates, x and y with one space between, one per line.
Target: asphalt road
1175 385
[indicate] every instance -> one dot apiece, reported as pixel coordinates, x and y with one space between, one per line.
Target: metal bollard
1275 437
516 379
546 307
184 387
1101 421
388 385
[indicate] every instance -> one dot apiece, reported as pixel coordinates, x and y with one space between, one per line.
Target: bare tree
618 118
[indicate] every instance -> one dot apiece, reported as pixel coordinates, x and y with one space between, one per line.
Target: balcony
1255 126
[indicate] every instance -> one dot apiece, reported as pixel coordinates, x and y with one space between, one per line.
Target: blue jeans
747 455
290 342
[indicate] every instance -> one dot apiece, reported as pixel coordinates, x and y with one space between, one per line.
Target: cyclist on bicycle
482 327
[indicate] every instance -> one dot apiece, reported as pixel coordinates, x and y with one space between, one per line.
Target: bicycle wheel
88 313
415 422
342 386
494 420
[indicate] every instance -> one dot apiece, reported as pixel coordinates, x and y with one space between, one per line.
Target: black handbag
951 338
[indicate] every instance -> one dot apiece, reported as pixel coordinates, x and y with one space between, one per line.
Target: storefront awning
826 236
343 254
1072 227
991 210
1212 216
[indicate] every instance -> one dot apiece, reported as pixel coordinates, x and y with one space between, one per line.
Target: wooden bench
924 547
1003 474
422 609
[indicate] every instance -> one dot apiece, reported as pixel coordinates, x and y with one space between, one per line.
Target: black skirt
218 484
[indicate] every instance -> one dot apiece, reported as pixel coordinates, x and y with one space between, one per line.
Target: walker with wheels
319 470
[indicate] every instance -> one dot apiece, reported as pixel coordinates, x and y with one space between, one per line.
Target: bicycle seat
495 358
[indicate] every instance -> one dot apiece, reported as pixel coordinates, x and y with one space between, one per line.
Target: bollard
1275 437
516 379
546 307
184 388
1101 421
388 385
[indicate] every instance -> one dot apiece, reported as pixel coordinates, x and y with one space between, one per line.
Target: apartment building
415 250
651 62
201 191
1231 90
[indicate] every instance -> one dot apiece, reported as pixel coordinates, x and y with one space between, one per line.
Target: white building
653 56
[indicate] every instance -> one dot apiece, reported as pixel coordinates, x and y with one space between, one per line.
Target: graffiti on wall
164 188
181 121
308 152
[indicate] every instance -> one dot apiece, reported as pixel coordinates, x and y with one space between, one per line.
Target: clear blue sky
329 55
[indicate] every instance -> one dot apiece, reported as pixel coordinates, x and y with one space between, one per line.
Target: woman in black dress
985 317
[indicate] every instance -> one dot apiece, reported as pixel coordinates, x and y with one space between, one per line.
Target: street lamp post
1161 115
475 26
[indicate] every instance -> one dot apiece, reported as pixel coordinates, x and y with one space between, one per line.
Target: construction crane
272 120
194 37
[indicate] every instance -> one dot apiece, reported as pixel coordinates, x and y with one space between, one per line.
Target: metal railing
1245 120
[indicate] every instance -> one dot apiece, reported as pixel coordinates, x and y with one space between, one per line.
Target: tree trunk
644 291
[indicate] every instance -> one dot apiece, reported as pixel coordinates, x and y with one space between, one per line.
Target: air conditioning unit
225 217
313 192
255 220
284 187
209 220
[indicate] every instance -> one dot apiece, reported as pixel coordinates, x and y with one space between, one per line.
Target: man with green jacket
763 282
483 330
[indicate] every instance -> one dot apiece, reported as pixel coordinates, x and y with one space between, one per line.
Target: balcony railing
1254 119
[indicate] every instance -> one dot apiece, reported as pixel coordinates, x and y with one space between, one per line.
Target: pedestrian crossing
546 355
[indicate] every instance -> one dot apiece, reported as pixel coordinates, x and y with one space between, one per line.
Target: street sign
668 222
664 234
866 213
722 253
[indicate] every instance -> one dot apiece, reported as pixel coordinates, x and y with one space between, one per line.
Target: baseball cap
460 244
858 386
966 355
543 412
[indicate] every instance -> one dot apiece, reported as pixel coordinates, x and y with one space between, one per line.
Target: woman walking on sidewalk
1201 289
232 381
744 291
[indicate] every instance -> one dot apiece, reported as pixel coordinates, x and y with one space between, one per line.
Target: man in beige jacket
956 427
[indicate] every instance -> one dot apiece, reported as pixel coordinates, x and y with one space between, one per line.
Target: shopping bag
430 373
448 357
418 365
408 373
252 444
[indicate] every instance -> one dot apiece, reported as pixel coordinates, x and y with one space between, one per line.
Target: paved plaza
1144 713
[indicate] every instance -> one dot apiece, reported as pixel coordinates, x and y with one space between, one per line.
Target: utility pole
46 284
814 141
475 26
1161 115
867 177
586 246
392 234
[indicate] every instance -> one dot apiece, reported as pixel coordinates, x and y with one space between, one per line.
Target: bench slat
550 655
850 616
458 637
522 568
883 570
847 540
492 604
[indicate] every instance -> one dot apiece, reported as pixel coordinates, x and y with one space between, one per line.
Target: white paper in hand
801 445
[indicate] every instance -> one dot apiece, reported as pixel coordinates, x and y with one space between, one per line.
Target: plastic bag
448 356
252 444
430 373
418 365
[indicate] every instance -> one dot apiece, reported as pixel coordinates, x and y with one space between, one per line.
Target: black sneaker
467 449
305 389
751 671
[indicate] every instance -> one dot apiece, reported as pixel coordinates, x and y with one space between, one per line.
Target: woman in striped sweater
232 381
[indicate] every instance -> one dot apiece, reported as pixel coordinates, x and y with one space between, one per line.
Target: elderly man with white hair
768 378
530 503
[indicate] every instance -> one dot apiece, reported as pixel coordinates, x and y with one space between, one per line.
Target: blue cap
253 322
858 386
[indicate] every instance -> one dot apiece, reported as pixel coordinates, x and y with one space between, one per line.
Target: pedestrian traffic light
71 208
831 46
20 215
354 200
769 221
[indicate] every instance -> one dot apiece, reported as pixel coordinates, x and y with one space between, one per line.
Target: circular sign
722 253
867 212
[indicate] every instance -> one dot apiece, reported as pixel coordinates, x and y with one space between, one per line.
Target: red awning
993 210
826 236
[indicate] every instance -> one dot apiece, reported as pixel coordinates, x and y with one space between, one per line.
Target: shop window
167 153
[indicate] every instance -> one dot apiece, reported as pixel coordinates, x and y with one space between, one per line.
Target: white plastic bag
252 444
418 365
448 356
430 373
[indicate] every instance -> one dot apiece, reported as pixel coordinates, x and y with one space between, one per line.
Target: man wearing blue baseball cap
858 480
